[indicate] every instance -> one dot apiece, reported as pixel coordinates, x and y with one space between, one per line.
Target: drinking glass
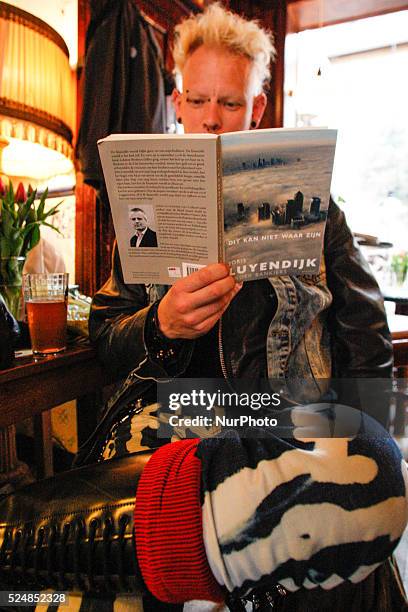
46 297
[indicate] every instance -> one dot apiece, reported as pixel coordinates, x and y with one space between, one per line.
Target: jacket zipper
222 357
221 351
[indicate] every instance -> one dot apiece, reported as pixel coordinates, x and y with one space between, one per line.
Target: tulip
29 190
20 195
2 188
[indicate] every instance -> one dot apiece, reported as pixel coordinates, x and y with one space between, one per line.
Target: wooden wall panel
86 230
308 14
86 237
271 15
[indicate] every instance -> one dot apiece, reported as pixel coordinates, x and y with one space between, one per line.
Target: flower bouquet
20 221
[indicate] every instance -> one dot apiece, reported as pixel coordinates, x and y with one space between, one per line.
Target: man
144 236
343 329
219 517
298 329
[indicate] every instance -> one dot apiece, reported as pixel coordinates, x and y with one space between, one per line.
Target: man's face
138 220
218 93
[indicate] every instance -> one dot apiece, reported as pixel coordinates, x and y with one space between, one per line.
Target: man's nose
212 120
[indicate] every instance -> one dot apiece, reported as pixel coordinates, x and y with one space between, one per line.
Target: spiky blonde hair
218 27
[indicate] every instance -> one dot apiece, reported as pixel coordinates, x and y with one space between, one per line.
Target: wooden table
398 295
399 331
32 386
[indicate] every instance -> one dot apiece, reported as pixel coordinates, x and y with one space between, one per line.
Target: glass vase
11 277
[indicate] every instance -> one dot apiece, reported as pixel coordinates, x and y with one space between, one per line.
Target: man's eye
232 105
195 101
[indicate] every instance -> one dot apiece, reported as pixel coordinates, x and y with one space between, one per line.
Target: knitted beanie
168 527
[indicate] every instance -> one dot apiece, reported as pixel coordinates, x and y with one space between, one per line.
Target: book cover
257 200
166 188
276 188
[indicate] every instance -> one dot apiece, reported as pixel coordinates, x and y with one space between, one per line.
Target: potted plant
399 266
20 221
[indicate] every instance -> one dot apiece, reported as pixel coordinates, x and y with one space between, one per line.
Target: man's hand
194 304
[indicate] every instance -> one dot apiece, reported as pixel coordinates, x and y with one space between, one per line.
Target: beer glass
45 298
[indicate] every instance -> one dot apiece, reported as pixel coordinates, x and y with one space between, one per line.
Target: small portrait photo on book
142 226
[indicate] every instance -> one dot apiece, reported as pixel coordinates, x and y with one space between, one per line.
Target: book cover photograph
275 199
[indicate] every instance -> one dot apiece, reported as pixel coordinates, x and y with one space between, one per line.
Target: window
354 76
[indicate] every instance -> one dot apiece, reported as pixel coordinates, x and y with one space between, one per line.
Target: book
256 199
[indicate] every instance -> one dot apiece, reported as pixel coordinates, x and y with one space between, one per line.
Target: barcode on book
188 268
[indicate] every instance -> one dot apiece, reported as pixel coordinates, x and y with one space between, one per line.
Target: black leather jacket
353 340
360 339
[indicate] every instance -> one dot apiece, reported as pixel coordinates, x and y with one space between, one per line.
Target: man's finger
202 278
211 321
213 309
211 293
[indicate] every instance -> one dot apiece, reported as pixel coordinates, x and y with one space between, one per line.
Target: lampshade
37 97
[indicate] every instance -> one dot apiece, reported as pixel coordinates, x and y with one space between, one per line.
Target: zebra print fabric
301 513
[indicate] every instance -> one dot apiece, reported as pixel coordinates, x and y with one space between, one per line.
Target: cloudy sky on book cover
276 195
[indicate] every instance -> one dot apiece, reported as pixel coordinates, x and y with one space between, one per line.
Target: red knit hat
168 527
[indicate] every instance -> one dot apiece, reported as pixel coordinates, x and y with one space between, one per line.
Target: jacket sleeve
118 328
361 339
